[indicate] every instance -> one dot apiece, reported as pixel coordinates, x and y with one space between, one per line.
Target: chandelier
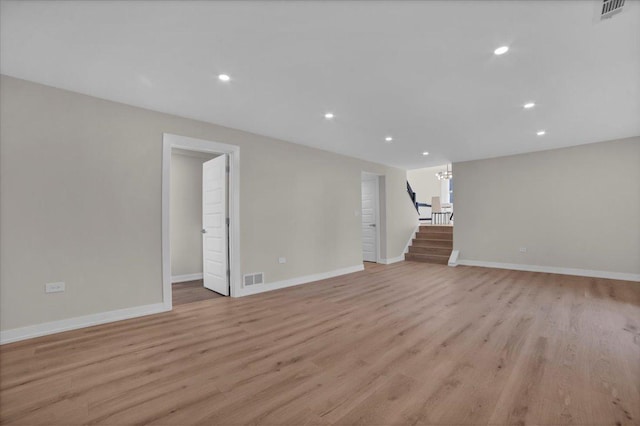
448 174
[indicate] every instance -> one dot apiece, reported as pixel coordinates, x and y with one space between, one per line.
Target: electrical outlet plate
523 249
282 260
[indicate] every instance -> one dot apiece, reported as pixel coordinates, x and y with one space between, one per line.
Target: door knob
204 231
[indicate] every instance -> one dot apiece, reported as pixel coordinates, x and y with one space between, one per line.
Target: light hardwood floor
191 291
409 343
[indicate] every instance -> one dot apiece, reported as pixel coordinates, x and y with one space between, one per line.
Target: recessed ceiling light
501 50
541 133
388 139
529 105
425 153
224 77
328 115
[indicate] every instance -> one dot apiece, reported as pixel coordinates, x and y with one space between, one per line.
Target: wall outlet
54 287
523 249
282 260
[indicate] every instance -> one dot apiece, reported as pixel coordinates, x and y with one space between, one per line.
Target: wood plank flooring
408 343
191 291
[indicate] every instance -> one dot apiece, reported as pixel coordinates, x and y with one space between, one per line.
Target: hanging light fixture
448 174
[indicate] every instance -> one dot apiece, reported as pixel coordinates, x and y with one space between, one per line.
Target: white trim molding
453 258
261 288
184 278
553 270
170 141
59 326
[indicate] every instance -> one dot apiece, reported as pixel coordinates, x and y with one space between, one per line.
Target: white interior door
214 225
369 219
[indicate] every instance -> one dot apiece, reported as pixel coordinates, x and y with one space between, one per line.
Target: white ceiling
423 72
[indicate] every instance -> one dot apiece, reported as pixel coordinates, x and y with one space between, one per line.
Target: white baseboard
52 327
261 288
187 277
453 259
413 234
405 251
553 270
392 260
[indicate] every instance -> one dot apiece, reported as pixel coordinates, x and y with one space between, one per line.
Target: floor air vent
610 8
253 279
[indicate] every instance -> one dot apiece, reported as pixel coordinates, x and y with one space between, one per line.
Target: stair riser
442 260
434 236
445 240
446 229
442 251
432 243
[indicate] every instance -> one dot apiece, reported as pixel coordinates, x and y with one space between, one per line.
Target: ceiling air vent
610 8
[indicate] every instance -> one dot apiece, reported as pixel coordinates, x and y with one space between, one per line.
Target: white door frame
376 177
170 141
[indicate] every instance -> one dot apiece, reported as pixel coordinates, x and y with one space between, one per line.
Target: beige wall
186 212
425 183
572 208
80 188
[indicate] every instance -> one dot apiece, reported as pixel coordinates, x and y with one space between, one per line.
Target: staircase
432 244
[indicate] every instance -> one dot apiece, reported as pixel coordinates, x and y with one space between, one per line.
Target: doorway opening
188 239
432 192
200 220
433 189
370 215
